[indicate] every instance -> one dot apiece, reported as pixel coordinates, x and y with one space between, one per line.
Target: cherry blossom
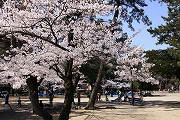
46 26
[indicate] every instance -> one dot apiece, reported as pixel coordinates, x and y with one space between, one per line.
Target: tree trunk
33 94
69 92
91 102
76 80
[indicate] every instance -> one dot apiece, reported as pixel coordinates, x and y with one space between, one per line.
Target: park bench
137 100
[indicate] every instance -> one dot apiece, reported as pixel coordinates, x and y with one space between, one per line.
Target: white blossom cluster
26 64
45 26
133 66
41 23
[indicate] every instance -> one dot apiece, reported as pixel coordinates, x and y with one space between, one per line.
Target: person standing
7 98
106 93
51 97
19 102
41 104
99 96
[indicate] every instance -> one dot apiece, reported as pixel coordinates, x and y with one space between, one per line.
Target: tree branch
36 36
57 70
52 31
40 81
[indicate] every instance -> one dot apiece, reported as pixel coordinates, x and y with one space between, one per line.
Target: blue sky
154 10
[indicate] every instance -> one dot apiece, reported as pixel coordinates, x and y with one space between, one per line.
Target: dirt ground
160 106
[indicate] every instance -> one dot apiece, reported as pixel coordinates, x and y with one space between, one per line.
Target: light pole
132 88
132 92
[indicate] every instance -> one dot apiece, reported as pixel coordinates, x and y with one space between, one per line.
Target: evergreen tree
167 62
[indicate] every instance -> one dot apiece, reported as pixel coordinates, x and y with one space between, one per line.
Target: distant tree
169 33
90 70
174 81
132 10
110 70
167 62
144 86
164 64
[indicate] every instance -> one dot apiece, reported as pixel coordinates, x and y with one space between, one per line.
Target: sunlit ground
160 106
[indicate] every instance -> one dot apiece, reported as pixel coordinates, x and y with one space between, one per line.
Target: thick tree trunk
91 102
33 90
69 92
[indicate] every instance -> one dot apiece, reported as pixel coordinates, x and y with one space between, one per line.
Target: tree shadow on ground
107 108
165 104
155 95
147 104
20 114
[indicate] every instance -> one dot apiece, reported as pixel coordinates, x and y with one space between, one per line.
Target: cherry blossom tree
131 65
60 36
